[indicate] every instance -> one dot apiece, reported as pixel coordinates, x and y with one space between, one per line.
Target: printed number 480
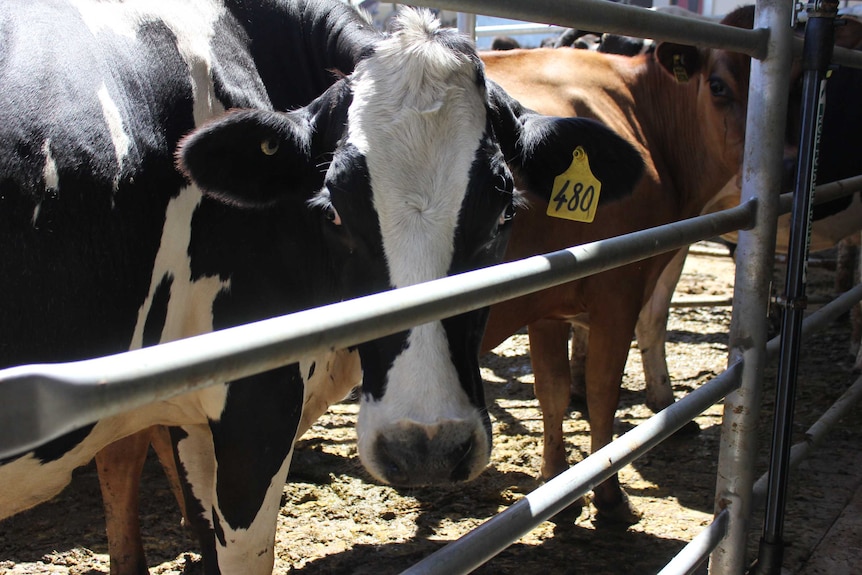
580 200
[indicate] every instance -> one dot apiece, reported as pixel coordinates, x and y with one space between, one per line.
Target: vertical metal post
761 180
467 24
816 57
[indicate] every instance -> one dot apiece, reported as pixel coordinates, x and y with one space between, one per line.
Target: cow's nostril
461 459
393 471
396 475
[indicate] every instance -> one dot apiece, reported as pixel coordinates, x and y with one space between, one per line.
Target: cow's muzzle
410 454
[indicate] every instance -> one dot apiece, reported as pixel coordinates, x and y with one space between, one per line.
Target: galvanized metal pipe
467 24
846 57
698 549
815 435
824 193
516 30
618 19
821 318
487 540
692 555
42 402
761 178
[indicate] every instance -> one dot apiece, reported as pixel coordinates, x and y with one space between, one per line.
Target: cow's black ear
553 147
680 61
541 150
250 158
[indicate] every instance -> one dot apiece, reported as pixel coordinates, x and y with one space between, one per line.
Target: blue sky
527 40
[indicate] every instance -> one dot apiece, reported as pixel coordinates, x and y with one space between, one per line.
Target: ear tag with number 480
575 194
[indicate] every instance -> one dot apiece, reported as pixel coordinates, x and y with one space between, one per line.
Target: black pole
816 58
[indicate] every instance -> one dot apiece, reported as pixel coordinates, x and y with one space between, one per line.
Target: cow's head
721 80
410 165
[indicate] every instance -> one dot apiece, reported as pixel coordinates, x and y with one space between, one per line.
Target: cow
835 223
684 109
610 43
504 43
150 190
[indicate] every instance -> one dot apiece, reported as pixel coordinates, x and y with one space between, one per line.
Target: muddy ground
335 520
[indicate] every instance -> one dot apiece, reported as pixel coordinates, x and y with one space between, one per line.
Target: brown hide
691 137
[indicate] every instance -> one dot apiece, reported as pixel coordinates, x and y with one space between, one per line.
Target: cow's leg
611 332
845 266
549 354
161 441
651 332
253 442
193 447
119 466
846 276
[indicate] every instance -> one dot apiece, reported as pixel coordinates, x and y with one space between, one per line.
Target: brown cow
684 109
835 223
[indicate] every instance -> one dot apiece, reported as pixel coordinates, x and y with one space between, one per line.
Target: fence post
816 56
767 110
467 24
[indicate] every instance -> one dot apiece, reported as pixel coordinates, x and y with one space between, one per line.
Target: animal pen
39 403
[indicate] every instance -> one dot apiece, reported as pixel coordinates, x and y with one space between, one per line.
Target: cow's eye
269 146
718 88
332 215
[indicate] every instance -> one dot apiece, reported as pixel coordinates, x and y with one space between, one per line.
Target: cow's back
95 99
106 246
88 121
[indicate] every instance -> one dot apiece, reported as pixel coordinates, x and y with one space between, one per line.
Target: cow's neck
684 162
314 47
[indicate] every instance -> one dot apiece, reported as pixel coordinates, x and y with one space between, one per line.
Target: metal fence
47 401
771 46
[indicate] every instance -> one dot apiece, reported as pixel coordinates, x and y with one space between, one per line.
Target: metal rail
617 19
814 436
517 30
46 401
695 553
497 533
692 555
698 549
490 538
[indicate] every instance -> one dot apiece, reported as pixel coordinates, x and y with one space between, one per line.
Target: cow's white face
419 157
418 153
408 165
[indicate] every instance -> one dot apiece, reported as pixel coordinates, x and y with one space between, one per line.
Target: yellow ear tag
575 194
679 70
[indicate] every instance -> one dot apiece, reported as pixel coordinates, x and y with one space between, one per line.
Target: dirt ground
336 520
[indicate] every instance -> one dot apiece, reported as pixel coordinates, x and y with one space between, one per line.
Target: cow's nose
412 455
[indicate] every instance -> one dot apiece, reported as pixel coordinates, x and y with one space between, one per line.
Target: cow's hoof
690 429
622 514
572 513
579 403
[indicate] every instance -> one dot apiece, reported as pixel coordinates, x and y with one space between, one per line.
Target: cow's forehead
418 116
414 71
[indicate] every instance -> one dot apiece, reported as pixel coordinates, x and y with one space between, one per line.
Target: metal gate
78 393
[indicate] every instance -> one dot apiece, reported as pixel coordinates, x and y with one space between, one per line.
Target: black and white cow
408 190
401 172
